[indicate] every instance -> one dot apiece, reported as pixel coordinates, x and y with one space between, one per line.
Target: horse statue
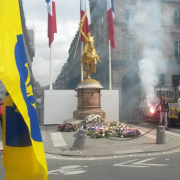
89 57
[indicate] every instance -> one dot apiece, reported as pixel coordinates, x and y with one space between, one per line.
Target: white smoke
147 74
149 67
150 37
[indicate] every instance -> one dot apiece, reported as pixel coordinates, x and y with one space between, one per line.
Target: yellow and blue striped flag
23 155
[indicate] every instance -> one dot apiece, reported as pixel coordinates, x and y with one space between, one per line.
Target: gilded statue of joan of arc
89 57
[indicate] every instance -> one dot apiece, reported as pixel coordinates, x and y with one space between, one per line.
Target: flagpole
110 83
82 77
50 67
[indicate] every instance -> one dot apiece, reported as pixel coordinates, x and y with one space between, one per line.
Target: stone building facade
29 49
144 29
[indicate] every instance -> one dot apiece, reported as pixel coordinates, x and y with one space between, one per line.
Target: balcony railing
135 57
127 56
175 58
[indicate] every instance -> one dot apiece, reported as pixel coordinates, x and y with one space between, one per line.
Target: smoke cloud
150 40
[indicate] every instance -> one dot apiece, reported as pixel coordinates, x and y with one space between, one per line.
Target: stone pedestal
89 100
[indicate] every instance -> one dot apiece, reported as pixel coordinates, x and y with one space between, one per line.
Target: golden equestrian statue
89 57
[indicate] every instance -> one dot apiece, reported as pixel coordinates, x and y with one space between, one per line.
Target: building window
177 16
177 50
160 79
175 80
100 25
130 15
155 47
130 48
170 94
155 14
97 32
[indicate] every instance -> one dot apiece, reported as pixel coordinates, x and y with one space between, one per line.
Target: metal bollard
160 136
80 140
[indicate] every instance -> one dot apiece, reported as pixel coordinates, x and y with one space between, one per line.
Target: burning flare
152 109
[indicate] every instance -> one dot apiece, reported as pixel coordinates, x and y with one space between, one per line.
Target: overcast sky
68 15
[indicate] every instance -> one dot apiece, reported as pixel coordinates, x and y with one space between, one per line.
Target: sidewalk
59 143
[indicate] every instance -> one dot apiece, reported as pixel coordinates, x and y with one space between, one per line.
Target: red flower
100 132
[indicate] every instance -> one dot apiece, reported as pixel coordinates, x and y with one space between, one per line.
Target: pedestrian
164 110
1 110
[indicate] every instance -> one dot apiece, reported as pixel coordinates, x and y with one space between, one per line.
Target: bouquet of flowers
118 130
67 128
92 118
109 133
131 133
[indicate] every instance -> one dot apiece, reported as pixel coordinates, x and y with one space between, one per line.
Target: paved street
159 167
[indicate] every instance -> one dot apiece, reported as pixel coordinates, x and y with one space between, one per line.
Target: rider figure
89 55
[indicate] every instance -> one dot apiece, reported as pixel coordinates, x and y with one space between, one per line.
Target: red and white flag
84 7
52 27
110 19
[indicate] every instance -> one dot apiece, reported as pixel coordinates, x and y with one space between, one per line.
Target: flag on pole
84 7
23 151
52 26
110 17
